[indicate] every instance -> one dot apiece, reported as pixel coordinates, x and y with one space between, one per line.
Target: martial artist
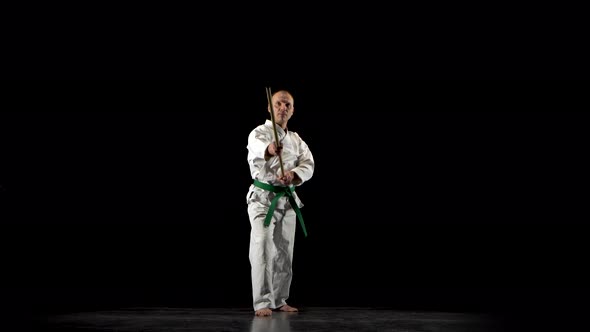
273 205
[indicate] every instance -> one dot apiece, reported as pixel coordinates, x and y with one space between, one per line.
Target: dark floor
242 319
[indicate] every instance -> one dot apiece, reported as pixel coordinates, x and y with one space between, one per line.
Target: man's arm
305 164
272 150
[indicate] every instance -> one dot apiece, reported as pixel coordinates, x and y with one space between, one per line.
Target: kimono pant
271 255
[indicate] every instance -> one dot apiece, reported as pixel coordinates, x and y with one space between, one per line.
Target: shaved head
282 104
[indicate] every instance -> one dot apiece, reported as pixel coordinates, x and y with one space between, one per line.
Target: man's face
282 105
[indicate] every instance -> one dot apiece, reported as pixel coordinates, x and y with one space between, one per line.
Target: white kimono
271 248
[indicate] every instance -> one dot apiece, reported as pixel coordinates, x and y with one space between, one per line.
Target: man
273 222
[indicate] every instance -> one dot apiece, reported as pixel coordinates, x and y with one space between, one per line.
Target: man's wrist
267 155
296 178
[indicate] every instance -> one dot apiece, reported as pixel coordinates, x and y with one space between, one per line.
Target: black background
427 195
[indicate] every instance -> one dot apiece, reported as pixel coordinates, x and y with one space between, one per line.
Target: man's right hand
273 150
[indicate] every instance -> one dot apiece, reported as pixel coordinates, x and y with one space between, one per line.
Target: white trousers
271 255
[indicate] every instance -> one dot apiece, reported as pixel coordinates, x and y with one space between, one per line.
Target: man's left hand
289 178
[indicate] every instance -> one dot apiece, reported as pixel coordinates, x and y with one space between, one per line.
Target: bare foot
263 312
288 308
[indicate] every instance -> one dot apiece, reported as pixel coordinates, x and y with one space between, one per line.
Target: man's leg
284 241
261 254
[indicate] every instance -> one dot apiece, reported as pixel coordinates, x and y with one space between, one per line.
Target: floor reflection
312 319
277 322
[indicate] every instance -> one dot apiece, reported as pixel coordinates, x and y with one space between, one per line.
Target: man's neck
283 126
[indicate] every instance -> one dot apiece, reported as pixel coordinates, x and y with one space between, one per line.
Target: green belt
280 192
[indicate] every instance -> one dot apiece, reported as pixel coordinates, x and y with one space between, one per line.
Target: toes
263 312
